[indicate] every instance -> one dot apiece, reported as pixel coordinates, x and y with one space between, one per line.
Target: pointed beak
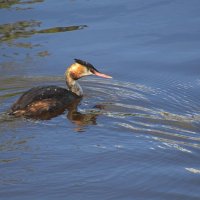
101 75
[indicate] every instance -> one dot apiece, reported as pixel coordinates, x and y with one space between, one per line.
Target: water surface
135 136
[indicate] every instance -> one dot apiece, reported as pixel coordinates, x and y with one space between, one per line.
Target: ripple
131 107
193 170
147 111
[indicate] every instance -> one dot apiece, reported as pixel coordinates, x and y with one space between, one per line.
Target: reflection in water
23 29
12 87
43 53
128 106
139 140
10 3
61 29
10 33
81 119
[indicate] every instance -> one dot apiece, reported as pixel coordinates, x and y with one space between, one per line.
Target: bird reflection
81 119
73 115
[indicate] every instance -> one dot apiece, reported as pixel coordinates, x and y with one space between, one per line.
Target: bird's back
42 93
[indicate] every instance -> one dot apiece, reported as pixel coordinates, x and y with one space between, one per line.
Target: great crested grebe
53 99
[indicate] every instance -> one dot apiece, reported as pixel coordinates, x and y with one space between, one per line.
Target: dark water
136 136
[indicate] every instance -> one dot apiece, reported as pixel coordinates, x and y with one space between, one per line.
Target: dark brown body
43 102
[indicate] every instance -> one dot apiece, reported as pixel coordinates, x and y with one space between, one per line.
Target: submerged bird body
45 101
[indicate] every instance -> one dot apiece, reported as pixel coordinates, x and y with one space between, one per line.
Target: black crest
86 64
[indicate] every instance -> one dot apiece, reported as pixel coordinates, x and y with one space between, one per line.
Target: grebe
47 101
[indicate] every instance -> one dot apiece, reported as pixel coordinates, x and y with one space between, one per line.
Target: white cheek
90 73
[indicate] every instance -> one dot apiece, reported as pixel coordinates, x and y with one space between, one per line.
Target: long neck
73 85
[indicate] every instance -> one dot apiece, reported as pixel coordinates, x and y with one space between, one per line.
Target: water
135 136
